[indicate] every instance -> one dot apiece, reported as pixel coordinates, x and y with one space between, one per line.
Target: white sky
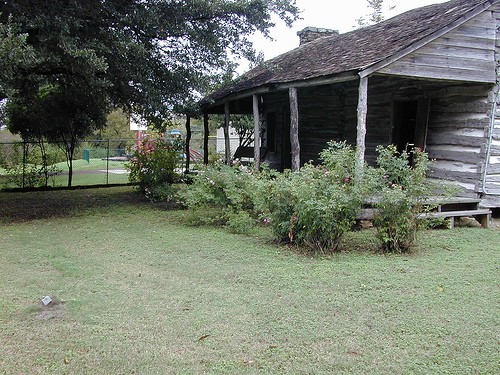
338 15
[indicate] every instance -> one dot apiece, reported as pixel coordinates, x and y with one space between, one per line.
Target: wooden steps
482 215
445 208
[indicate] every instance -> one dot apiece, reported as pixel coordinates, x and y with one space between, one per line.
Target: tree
375 15
58 113
14 52
79 59
117 128
147 55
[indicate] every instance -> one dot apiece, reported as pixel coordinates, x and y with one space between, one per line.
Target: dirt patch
54 310
50 313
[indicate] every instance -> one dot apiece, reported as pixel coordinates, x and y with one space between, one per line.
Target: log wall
491 187
454 73
457 128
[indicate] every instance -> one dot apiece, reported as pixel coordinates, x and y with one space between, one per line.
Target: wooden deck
451 209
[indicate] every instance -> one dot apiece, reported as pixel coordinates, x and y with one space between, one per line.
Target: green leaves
145 56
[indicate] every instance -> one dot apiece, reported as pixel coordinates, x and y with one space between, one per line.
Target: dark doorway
410 120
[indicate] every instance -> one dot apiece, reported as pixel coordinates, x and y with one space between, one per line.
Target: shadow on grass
18 207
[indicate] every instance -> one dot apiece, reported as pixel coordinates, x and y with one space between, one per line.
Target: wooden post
361 127
205 138
256 133
294 129
188 140
227 143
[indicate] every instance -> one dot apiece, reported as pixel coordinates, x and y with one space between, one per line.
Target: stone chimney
312 33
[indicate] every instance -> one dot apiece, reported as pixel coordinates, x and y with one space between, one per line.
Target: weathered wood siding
457 134
466 53
491 188
457 128
321 116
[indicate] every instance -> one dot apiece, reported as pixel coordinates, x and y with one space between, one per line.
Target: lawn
138 291
92 172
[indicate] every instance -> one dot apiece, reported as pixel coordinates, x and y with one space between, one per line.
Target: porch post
361 127
294 129
227 143
205 138
256 133
188 141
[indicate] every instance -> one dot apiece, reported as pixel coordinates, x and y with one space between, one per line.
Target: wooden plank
459 120
467 90
490 201
480 211
468 42
448 138
294 129
461 176
466 157
493 179
481 215
493 168
495 149
408 69
492 188
462 105
450 62
457 52
474 31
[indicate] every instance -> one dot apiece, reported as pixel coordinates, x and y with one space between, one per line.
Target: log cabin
427 78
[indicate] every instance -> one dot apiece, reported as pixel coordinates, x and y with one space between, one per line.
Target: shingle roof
352 51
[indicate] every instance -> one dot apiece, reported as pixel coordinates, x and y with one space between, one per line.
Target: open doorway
409 127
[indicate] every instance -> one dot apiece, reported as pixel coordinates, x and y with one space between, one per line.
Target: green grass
85 173
142 293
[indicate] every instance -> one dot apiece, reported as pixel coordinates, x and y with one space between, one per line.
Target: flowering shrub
154 166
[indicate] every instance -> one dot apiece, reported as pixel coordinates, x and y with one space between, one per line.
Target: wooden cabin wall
457 134
458 124
276 104
491 188
472 44
457 131
321 117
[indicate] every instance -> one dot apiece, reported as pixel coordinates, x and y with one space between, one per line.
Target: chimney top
309 34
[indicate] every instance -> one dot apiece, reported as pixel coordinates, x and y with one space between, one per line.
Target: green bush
227 194
154 167
317 205
400 192
30 165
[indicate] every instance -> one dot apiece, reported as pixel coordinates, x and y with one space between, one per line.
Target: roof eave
270 87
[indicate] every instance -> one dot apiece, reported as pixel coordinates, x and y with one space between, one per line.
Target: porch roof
344 56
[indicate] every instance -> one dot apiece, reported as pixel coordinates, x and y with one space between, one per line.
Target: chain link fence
41 164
